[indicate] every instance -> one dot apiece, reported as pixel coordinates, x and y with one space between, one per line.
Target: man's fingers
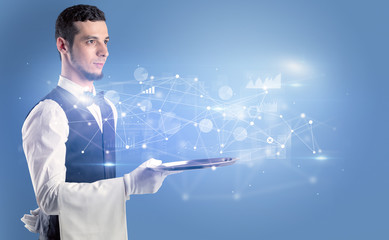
29 219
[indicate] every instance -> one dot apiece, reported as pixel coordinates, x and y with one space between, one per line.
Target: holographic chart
176 117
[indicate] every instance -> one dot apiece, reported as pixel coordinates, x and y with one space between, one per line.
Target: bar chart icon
149 91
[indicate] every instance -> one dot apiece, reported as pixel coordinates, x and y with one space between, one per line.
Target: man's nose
102 50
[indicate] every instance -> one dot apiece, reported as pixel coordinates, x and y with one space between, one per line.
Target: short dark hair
64 26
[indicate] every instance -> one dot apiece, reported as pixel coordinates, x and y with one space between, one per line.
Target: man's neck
78 79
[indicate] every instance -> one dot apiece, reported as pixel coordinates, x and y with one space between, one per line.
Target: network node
310 122
251 123
144 146
127 146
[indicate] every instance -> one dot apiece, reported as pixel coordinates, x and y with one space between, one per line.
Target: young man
69 142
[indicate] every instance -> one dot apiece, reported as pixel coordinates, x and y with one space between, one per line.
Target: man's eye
106 42
90 41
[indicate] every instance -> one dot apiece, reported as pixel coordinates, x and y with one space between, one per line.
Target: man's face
89 51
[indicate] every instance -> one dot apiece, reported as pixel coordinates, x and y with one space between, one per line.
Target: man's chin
93 76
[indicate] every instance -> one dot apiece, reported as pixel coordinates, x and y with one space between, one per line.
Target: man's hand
144 179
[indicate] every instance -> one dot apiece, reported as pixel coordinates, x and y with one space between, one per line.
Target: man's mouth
99 65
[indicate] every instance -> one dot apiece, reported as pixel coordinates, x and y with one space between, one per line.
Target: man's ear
62 45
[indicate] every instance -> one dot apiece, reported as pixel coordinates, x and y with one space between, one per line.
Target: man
69 142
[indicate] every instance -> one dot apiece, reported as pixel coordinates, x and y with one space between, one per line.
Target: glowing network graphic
175 117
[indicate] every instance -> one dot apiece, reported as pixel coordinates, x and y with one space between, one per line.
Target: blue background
345 41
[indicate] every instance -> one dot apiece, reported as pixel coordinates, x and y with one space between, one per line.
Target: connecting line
171 87
124 127
90 140
303 142
155 130
313 140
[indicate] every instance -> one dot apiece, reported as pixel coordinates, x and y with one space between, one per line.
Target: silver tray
196 164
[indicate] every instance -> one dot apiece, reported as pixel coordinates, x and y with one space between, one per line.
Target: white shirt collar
74 88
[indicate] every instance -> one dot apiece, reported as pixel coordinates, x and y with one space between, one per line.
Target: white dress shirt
45 132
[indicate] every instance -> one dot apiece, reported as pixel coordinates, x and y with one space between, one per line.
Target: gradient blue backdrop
345 41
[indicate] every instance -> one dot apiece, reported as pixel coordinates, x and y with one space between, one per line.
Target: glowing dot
319 151
218 130
166 138
208 108
282 146
259 117
120 102
109 164
159 110
75 106
105 119
314 152
251 123
20 98
194 148
291 130
82 152
140 82
124 114
278 153
213 168
224 114
266 92
222 145
302 115
221 152
201 96
298 166
177 76
310 122
151 77
89 123
127 146
244 107
144 146
195 124
107 152
249 185
317 194
281 116
195 79
269 140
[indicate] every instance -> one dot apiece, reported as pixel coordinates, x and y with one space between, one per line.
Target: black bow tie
89 98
